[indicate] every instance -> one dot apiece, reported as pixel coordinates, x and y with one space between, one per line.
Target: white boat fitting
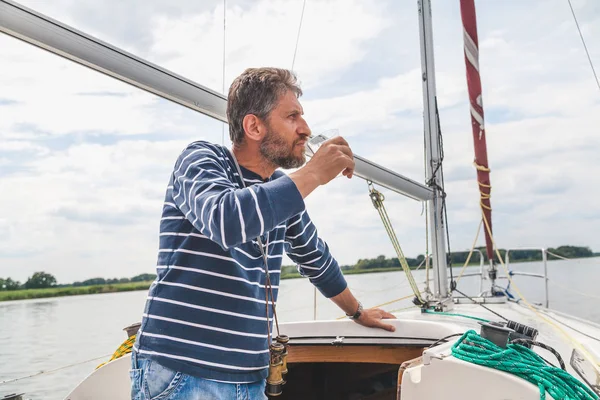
435 351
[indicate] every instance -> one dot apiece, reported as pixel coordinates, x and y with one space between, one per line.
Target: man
204 330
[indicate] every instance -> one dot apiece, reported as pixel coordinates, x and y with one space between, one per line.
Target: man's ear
253 127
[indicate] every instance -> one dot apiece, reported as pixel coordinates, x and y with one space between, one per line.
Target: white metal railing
481 271
544 276
483 276
530 274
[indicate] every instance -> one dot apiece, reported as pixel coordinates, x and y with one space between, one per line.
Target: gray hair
256 91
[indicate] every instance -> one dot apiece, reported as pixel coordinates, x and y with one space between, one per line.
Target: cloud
52 105
7 102
264 33
100 94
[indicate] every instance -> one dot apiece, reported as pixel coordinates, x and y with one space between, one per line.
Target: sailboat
487 347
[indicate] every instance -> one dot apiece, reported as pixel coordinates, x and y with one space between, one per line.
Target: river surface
47 334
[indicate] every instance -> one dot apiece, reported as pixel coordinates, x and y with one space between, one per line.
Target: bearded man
227 215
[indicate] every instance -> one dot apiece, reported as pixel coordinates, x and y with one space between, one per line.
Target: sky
85 159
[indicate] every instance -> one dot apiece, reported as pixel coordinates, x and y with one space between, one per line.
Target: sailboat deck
342 345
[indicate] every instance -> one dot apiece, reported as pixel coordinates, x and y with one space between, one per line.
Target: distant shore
295 275
26 294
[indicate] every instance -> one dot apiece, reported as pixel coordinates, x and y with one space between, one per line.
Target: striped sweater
205 313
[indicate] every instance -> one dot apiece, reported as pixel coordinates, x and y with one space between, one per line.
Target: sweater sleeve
311 254
218 209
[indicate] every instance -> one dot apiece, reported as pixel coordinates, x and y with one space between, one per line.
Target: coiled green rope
524 363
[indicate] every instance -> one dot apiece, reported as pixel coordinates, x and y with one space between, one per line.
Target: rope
52 370
384 290
462 271
574 341
573 329
123 349
455 315
384 304
543 346
483 196
593 296
403 309
483 169
557 256
387 289
393 301
421 264
522 362
570 259
377 198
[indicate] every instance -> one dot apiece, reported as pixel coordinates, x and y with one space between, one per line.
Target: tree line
44 280
41 280
460 257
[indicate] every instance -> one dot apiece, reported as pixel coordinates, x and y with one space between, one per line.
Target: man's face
287 133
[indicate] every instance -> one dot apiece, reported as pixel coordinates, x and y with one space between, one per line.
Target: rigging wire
569 326
432 183
298 35
584 45
427 289
224 43
444 206
487 308
444 339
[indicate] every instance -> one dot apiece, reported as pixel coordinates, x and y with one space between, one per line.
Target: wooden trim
408 364
380 354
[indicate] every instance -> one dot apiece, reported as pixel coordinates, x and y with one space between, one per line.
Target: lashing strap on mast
377 198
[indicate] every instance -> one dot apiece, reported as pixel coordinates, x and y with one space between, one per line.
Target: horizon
58 283
85 159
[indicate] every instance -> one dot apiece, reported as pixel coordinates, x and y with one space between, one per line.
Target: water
46 334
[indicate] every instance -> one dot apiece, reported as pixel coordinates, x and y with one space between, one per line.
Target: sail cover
471 46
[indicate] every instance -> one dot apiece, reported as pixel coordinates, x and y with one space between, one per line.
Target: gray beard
276 151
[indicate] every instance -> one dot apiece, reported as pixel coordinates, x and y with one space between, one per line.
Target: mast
433 153
471 45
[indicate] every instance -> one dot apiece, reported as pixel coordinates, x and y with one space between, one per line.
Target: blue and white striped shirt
205 313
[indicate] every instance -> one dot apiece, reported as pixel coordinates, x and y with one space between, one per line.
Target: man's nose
303 128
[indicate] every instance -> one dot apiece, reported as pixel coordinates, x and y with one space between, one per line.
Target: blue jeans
152 381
